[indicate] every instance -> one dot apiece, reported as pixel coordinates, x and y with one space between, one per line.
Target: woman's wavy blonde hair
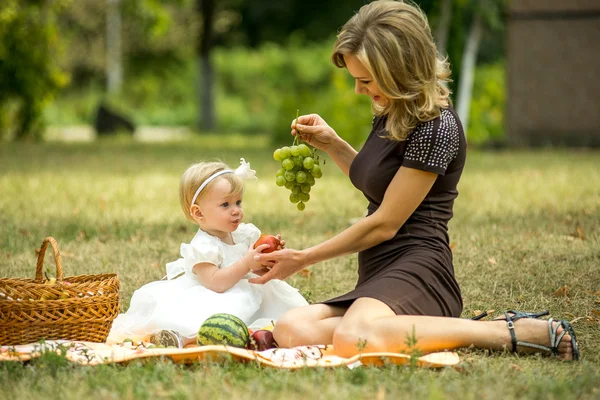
195 175
392 39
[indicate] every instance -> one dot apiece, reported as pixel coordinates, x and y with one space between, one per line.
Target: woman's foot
536 332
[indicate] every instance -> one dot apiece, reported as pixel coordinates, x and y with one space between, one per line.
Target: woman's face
365 83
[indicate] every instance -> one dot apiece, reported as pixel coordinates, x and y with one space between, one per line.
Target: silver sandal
555 338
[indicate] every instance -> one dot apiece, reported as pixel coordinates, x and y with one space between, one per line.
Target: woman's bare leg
312 324
369 325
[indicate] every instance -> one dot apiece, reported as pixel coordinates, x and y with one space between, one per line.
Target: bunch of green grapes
299 169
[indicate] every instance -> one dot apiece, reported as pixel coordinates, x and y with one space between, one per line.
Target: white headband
243 171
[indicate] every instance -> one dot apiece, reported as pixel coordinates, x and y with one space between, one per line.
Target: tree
275 21
206 8
486 15
443 28
251 29
152 33
467 72
114 65
29 73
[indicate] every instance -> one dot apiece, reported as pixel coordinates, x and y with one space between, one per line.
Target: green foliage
155 34
257 91
492 48
275 81
29 74
412 348
486 121
52 358
161 96
252 23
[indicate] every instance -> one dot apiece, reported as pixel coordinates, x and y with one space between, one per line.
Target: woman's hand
286 262
281 241
314 130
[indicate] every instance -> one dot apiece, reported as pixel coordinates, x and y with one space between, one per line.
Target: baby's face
222 211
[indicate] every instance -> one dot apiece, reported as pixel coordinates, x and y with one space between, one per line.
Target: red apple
272 241
262 339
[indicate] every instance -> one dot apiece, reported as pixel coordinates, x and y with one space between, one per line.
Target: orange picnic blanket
89 353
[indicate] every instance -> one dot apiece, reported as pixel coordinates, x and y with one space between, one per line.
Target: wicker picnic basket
79 307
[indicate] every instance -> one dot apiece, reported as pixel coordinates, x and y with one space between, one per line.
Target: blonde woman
408 169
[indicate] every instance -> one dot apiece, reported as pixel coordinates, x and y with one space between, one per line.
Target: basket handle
57 259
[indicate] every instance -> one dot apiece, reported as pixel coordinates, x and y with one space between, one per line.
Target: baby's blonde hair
196 174
393 40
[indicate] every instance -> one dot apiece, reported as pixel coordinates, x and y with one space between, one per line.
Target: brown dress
413 272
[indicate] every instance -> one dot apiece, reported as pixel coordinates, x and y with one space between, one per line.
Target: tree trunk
467 73
114 65
441 31
206 113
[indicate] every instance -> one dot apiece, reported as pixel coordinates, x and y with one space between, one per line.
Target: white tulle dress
181 302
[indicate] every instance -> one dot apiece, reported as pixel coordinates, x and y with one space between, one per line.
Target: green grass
526 224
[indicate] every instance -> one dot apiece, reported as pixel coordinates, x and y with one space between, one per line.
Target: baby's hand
253 251
265 244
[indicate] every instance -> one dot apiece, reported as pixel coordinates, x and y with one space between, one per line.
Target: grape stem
295 142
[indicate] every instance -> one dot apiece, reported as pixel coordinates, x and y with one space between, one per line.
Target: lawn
526 235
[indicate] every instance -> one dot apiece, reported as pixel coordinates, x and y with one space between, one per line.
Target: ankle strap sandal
555 338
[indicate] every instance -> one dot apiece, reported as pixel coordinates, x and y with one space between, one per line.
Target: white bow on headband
243 171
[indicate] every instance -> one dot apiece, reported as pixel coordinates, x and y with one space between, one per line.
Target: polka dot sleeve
433 144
